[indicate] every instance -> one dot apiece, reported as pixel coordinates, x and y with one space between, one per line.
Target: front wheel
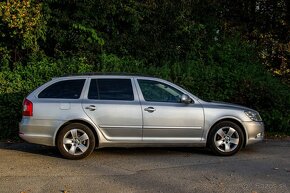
76 141
226 138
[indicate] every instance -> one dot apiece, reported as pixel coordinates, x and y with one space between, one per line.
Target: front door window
154 91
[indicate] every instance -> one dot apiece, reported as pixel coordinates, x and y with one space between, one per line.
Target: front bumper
255 132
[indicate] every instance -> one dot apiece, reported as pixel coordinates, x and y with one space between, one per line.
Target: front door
165 118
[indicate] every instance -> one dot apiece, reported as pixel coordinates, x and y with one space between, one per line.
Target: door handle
150 109
91 107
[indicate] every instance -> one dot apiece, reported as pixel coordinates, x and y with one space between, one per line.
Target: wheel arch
78 121
229 120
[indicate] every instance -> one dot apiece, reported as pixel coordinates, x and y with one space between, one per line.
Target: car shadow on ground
53 151
31 148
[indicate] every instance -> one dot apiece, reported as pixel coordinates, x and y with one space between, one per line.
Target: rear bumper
38 131
37 139
255 132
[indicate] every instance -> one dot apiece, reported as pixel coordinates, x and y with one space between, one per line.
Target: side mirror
185 99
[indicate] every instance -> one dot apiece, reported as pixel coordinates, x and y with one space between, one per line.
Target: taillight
27 108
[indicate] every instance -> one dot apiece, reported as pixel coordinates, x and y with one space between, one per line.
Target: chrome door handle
91 107
150 109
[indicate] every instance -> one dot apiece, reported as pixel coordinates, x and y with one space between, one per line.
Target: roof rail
105 73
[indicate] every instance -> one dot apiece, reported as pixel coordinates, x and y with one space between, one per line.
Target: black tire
76 141
226 138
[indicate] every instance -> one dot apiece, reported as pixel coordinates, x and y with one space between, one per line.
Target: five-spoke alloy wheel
226 138
76 141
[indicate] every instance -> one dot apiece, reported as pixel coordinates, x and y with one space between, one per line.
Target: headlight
253 115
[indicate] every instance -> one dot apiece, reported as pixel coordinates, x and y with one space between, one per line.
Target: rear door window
111 89
66 89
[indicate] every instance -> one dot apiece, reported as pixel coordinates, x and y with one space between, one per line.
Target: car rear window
66 89
111 89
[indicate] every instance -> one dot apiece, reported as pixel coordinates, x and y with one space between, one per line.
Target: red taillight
27 108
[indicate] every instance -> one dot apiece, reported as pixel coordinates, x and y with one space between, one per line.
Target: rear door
113 105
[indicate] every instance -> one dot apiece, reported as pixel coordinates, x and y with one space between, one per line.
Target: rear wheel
226 138
76 141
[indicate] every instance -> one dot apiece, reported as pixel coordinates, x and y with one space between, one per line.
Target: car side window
155 91
66 89
111 89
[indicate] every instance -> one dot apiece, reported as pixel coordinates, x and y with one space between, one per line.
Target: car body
82 112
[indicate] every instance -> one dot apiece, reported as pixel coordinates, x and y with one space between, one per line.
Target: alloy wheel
226 139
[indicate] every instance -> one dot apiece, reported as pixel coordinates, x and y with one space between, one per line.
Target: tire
226 138
76 141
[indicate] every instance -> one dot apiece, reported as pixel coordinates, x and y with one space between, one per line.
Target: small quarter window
66 89
111 89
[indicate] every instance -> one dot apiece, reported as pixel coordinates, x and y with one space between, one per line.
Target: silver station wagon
83 112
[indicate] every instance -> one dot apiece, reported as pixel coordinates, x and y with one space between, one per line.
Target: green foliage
93 36
22 25
266 22
151 31
112 63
